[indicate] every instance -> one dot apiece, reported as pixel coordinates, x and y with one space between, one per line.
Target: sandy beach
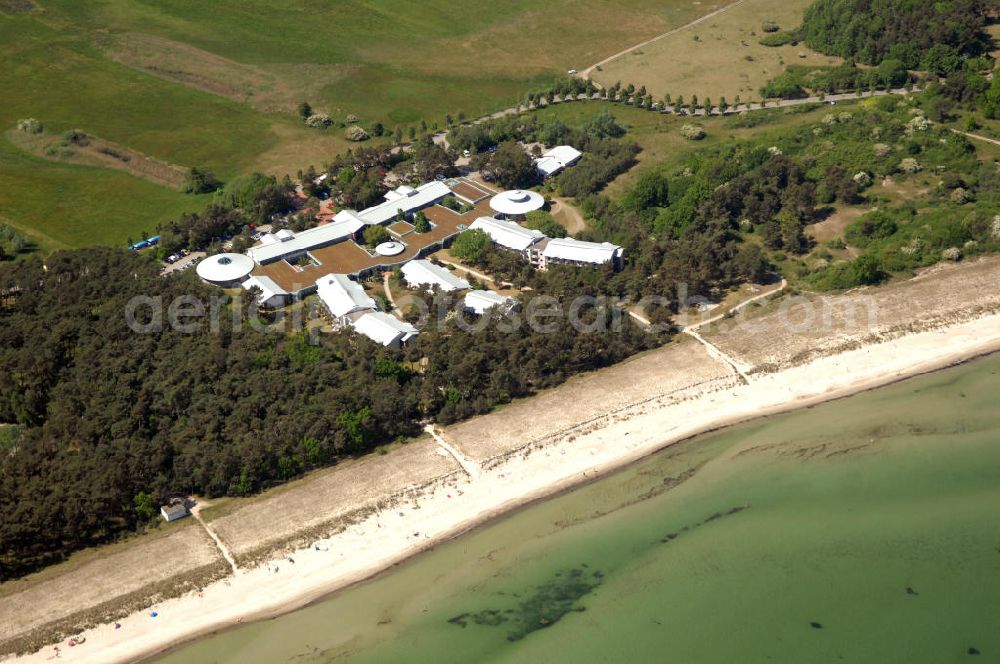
390 536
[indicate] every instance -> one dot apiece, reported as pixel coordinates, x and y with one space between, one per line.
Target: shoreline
516 483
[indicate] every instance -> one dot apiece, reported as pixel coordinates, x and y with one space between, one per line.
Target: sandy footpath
392 535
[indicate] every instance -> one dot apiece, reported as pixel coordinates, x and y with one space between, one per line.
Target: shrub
544 222
917 123
355 133
76 137
863 179
471 245
909 166
692 132
881 150
29 126
420 222
376 235
960 196
770 26
915 246
786 86
351 119
200 181
952 254
779 39
319 121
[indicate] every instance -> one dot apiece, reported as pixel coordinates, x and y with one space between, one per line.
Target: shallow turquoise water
864 530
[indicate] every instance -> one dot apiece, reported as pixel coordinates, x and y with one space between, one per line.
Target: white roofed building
288 245
577 252
226 270
342 296
511 236
517 202
272 296
423 273
566 154
548 166
481 301
508 234
556 159
407 199
384 329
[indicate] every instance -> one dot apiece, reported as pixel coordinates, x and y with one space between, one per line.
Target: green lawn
64 206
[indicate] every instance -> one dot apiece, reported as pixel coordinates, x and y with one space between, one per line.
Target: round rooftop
517 202
390 248
225 268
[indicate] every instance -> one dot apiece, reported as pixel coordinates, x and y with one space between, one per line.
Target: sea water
862 530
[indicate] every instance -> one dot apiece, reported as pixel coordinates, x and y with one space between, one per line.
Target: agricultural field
721 57
216 85
63 206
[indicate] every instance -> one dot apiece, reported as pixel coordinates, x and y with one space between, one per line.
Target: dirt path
223 549
978 137
586 72
470 467
568 216
478 275
388 294
740 368
738 307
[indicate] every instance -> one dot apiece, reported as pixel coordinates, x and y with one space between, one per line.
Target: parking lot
184 262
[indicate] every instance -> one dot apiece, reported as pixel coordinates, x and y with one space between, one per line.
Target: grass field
64 205
659 134
718 58
215 84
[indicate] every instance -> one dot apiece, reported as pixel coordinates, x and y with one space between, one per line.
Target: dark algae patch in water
544 607
714 516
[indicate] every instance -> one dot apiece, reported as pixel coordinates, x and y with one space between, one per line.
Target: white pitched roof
383 328
548 166
579 251
567 155
342 296
320 236
481 301
404 198
507 233
348 222
425 273
349 215
268 287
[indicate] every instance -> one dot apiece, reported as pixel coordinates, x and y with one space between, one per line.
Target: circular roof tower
390 248
517 202
223 269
